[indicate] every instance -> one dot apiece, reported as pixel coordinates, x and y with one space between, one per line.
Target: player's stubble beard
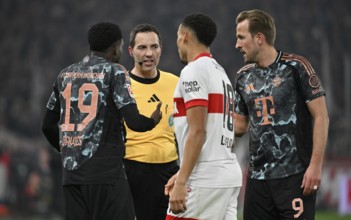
251 57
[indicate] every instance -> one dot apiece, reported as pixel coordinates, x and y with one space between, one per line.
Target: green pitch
331 216
325 216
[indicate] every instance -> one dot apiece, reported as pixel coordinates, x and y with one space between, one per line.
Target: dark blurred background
39 38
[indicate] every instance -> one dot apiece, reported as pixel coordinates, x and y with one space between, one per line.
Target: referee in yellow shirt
151 157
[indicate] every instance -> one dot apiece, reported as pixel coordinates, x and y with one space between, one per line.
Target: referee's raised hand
157 114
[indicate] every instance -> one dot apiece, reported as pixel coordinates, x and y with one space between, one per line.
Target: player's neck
195 51
267 57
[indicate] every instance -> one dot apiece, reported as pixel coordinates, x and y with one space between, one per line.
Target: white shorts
209 204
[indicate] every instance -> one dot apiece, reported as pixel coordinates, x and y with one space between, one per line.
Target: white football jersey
204 82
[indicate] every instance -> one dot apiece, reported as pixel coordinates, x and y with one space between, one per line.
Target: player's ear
260 38
130 50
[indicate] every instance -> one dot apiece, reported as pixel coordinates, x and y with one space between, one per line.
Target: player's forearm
320 136
192 150
50 128
241 124
134 120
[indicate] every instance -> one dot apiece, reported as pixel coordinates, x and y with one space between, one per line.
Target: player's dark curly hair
103 35
203 26
142 28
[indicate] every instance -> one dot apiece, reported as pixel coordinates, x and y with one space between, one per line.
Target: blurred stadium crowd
39 38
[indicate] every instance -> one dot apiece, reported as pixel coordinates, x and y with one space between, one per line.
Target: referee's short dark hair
143 28
103 35
203 26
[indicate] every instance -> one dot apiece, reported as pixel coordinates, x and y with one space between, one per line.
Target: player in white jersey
209 179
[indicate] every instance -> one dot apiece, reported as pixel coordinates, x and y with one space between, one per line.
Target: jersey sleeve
122 92
193 87
308 81
240 106
53 103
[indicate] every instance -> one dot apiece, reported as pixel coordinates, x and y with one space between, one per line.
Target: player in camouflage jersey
84 120
281 100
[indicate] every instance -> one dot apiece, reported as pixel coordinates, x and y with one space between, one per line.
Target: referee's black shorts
278 199
99 201
147 182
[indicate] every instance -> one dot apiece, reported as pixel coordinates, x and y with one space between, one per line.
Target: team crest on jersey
314 81
170 120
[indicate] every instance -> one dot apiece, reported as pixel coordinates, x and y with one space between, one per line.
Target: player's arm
134 120
196 118
241 124
50 128
137 122
319 113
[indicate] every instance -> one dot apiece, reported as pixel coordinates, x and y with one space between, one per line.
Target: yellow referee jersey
157 145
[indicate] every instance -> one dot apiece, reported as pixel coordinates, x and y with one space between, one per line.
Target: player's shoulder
72 67
294 59
298 62
106 64
201 65
246 68
116 65
117 69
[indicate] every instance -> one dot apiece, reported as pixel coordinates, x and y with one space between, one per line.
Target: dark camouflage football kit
89 94
275 98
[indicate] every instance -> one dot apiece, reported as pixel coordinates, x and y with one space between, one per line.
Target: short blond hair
259 21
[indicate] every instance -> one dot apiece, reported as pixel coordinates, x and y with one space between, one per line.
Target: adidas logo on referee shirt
154 98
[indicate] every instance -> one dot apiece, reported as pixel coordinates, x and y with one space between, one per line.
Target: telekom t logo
265 112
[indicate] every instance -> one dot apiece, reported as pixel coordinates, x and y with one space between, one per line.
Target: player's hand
157 114
177 199
170 184
311 180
